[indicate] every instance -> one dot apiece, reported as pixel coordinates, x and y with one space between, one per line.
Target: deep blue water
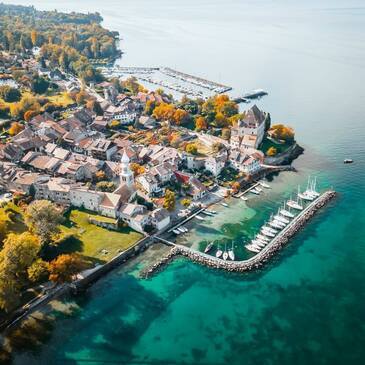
307 305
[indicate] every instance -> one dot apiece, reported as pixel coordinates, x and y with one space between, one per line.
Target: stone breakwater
254 262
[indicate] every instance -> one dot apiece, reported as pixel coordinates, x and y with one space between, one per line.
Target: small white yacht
209 247
231 253
266 228
225 254
279 218
225 205
219 253
275 225
199 217
267 233
286 213
254 191
261 237
265 185
176 231
252 248
244 198
181 230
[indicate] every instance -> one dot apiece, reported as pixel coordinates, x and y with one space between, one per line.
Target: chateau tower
126 174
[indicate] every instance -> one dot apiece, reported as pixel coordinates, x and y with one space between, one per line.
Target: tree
105 186
39 85
132 85
43 218
282 132
10 94
191 148
185 202
137 169
17 255
15 128
164 111
236 186
272 151
81 97
200 123
149 107
34 37
64 267
38 271
169 200
28 115
180 116
100 175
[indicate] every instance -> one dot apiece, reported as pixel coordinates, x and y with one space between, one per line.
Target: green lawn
90 240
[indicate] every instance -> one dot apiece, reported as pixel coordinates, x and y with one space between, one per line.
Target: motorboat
225 205
199 217
176 231
219 253
209 247
252 248
258 189
206 212
264 185
254 191
180 229
279 223
258 243
244 198
348 160
286 213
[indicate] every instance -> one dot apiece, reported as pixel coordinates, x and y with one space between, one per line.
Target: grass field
91 240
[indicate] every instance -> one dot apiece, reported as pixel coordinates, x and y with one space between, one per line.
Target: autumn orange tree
64 267
137 168
164 111
15 128
282 132
200 123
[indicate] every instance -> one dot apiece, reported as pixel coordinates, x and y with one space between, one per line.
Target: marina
263 254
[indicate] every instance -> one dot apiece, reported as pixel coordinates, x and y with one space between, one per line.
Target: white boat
262 237
225 254
180 229
254 191
225 205
252 249
311 188
264 185
275 225
219 253
293 204
286 213
258 243
280 224
279 218
231 253
266 228
256 246
244 198
207 213
199 217
267 233
176 231
213 211
209 247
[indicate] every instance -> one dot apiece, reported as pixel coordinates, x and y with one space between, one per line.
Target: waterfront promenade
254 262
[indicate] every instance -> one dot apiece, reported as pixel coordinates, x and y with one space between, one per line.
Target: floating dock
254 262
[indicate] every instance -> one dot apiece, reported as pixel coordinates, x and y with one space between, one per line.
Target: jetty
254 262
246 98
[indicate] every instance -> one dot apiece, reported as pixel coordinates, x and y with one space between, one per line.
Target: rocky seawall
256 261
286 157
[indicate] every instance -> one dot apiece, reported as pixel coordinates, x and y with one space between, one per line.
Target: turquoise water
307 305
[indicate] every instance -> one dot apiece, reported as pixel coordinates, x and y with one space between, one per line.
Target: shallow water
307 305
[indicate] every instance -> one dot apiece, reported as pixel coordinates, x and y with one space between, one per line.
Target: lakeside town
91 165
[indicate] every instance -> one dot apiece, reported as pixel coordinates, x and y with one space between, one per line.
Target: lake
307 305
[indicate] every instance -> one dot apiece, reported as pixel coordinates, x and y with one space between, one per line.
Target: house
215 164
135 216
148 183
11 152
146 122
163 172
195 188
56 189
100 124
83 197
160 218
85 116
42 163
102 149
248 162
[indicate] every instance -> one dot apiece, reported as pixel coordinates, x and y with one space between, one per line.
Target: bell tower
126 174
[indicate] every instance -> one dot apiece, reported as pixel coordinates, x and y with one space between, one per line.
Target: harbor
278 242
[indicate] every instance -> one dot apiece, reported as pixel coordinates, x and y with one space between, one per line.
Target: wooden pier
260 258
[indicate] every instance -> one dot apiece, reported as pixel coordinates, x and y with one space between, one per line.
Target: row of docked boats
180 230
224 254
258 188
283 217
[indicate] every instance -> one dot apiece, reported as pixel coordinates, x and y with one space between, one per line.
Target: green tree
38 271
10 94
39 85
43 218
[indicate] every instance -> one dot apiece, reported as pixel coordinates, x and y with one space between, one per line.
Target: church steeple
126 174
